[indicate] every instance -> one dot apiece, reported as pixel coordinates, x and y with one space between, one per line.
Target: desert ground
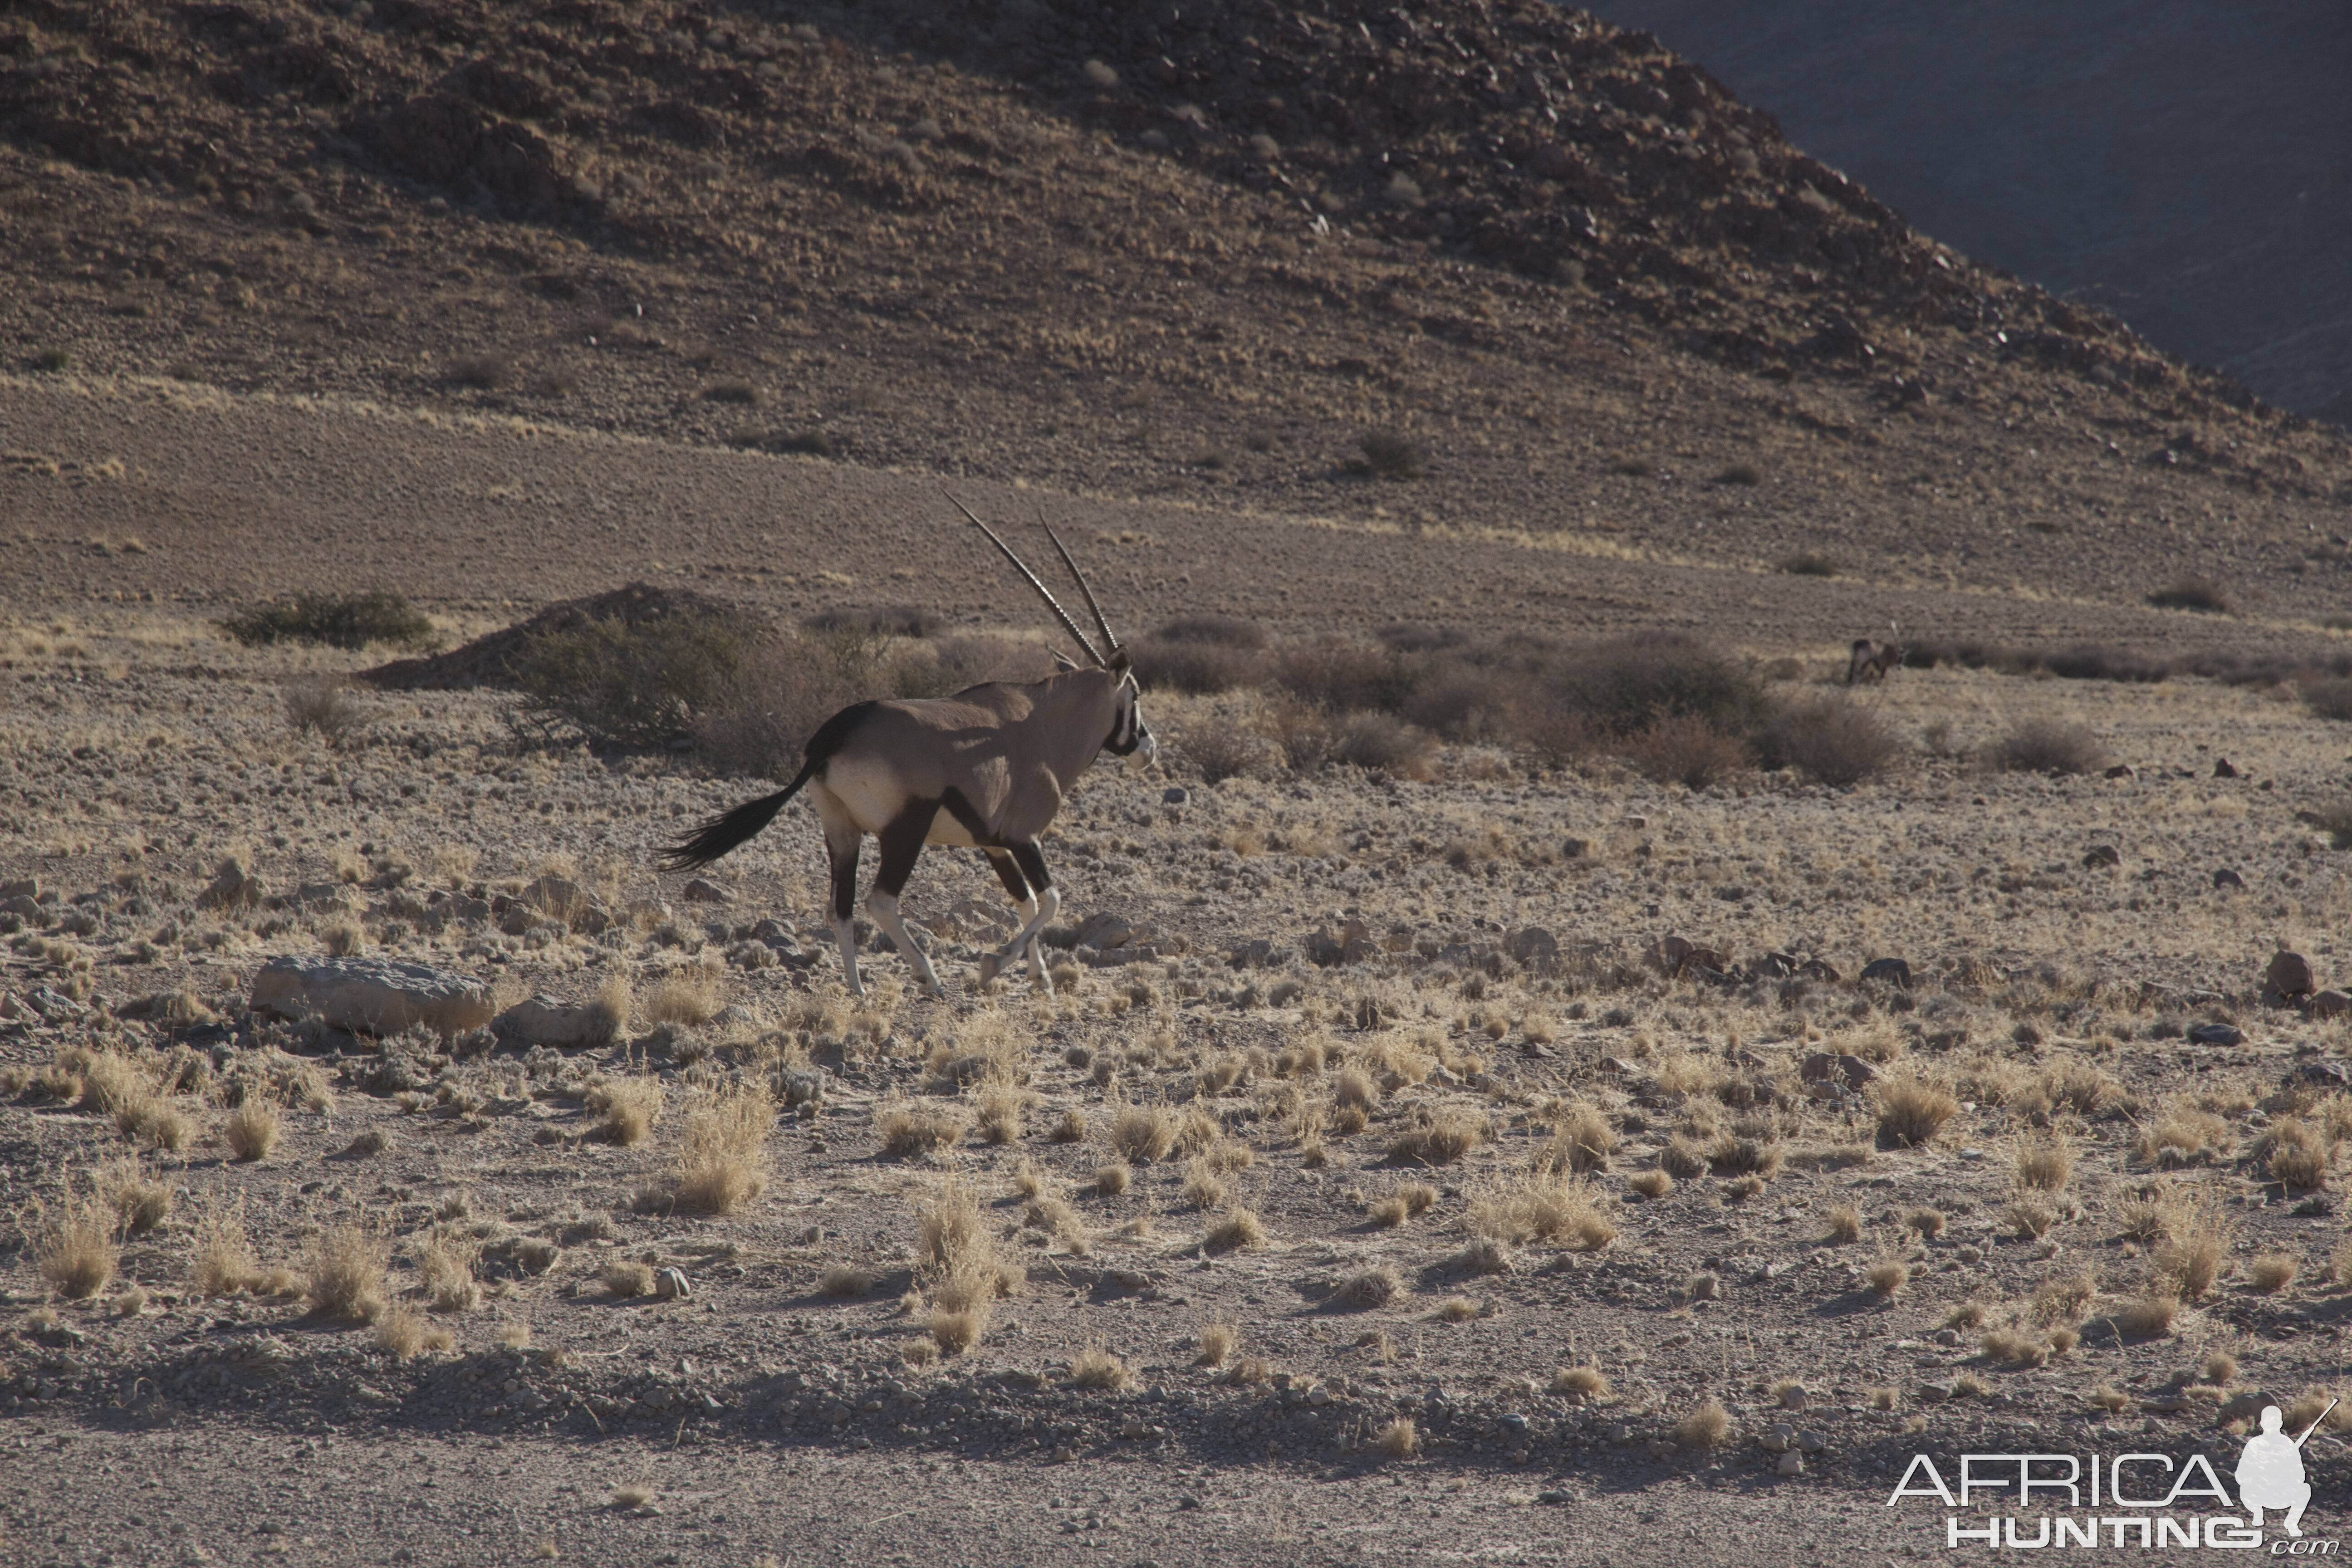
1538 1069
1545 1198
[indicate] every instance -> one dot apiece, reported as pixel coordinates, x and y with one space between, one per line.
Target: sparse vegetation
332 620
2048 746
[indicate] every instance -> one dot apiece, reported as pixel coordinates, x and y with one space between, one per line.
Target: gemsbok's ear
1063 663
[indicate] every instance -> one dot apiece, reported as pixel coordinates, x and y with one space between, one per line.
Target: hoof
990 966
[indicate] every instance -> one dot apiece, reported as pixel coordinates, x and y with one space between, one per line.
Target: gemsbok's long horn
1084 586
1045 593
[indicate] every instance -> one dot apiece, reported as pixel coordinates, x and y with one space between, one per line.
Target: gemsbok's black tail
722 833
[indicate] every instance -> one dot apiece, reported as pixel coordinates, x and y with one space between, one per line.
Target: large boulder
371 996
546 1021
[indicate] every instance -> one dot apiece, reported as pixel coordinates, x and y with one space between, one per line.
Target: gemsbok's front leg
1022 868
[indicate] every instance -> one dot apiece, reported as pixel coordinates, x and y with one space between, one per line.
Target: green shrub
338 620
1831 741
643 684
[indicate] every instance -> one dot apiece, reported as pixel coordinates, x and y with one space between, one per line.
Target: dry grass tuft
2194 1252
2064 1300
1651 1184
1582 1384
1096 1367
692 996
1704 1428
2273 1272
908 1128
1369 1288
629 1107
2221 1369
1582 1139
2045 1164
2015 1347
2183 1133
1439 1137
1541 1204
1202 1188
1459 1310
76 1244
1846 1223
252 1129
1888 1275
140 1203
1112 1178
1217 1342
2146 1317
1239 1227
1141 1133
1929 1223
444 1258
407 1333
723 1166
1398 1439
844 1280
2110 1398
1912 1110
624 1279
1683 1157
344 1277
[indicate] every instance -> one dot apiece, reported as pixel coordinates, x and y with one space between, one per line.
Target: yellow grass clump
1912 1110
2044 1164
1142 1133
252 1129
907 1128
625 1278
1705 1426
1582 1384
1238 1227
1439 1137
406 1333
1846 1223
77 1241
1397 1439
1096 1367
1542 1203
629 1106
724 1163
344 1275
1217 1342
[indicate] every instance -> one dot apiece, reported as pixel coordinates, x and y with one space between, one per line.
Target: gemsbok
1869 660
986 768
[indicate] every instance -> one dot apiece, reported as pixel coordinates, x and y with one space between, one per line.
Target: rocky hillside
1528 253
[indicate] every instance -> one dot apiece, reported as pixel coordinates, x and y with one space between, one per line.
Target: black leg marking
901 841
966 817
1032 861
1000 862
845 881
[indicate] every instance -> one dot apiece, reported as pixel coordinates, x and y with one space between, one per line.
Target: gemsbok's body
1871 660
987 769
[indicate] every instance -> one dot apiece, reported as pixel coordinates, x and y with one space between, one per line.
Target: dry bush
2191 593
1833 742
444 1258
1582 1384
140 1202
2194 1252
949 1225
1071 1128
1397 1438
1112 1178
1704 1428
1369 1288
1202 1188
623 1278
1354 1089
1199 665
1736 1155
642 685
1001 1111
2273 1272
343 1277
337 620
1380 743
1217 1343
1142 1134
2015 1347
406 1333
1651 1184
908 1128
1239 1227
1846 1223
2183 1133
2045 1164
1439 1137
2110 1398
2048 746
2309 1408
1582 1139
2146 1317
76 1244
628 1107
1968 1315
2032 1217
2221 1369
1543 1203
222 1257
1095 1367
723 1164
1888 1275
1458 1309
844 1280
252 1129
692 996
2297 1154
1911 1109
1681 1157
1929 1223
1688 750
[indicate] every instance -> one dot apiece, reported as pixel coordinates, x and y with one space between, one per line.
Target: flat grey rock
371 996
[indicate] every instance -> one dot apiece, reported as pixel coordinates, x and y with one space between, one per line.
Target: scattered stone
2289 975
1105 929
1851 1071
2121 771
1780 1438
1794 1396
2102 855
2244 1405
567 901
1575 849
800 1085
2225 878
670 1284
1820 969
374 996
1894 971
1791 1463
2216 1035
1937 1393
2222 770
2330 1005
23 906
1175 794
1811 1442
2334 1072
699 891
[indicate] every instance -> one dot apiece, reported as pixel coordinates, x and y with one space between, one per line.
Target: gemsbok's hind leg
841 842
900 843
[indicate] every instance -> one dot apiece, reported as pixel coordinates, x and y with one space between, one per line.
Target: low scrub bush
2191 593
335 620
2048 746
644 685
1686 749
1830 742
